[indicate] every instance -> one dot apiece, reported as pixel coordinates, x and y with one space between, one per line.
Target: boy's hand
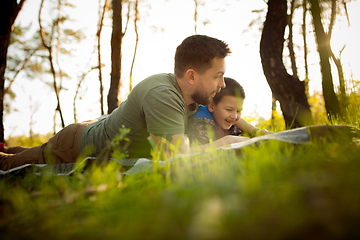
262 132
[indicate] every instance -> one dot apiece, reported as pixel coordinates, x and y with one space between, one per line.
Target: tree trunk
7 90
116 40
337 61
288 90
78 89
196 15
306 80
101 22
343 97
291 42
323 46
136 19
50 57
8 13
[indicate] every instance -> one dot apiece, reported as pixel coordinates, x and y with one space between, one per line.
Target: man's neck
191 107
186 92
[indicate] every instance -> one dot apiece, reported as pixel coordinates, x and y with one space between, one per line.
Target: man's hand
179 144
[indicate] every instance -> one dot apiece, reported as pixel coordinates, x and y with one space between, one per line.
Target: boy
221 117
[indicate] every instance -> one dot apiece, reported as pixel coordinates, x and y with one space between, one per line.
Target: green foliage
317 107
35 140
117 146
351 113
275 124
271 191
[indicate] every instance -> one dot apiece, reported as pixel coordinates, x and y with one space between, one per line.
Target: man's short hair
233 88
196 52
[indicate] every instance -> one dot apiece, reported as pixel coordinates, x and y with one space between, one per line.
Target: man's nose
222 83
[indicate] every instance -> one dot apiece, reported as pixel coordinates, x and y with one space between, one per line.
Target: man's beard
201 98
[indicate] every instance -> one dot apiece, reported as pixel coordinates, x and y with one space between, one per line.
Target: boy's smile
227 112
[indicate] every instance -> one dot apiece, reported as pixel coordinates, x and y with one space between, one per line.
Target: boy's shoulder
203 112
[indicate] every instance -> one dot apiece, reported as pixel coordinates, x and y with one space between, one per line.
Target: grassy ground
272 191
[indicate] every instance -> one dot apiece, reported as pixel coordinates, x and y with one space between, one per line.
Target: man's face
210 82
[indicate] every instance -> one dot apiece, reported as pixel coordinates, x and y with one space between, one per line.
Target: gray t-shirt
155 105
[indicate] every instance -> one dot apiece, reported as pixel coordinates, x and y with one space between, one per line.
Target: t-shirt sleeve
164 111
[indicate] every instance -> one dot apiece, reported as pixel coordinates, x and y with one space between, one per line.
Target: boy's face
227 112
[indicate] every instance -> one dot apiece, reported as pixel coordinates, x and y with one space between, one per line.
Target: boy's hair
233 88
197 52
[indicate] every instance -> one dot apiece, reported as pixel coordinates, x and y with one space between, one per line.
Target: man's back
155 105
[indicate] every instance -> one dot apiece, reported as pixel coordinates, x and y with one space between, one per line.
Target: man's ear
211 106
190 76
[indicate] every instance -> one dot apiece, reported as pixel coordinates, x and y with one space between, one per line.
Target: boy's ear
211 106
190 76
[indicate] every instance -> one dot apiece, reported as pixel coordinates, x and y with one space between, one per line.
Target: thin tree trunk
196 14
346 12
58 43
343 96
273 111
61 73
136 41
337 61
306 80
52 69
58 48
287 89
101 22
27 59
116 40
77 90
332 18
291 43
8 13
323 45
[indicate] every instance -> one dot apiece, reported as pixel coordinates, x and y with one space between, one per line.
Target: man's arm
178 143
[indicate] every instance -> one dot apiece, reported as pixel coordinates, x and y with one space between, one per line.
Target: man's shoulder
155 84
163 84
159 79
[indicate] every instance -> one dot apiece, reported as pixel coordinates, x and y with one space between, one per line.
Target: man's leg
29 156
61 148
11 150
64 146
14 150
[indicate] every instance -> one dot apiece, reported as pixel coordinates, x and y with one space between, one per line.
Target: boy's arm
251 130
182 144
221 142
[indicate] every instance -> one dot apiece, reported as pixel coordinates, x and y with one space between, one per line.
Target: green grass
272 191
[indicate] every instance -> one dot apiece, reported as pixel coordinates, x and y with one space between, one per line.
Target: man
158 107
